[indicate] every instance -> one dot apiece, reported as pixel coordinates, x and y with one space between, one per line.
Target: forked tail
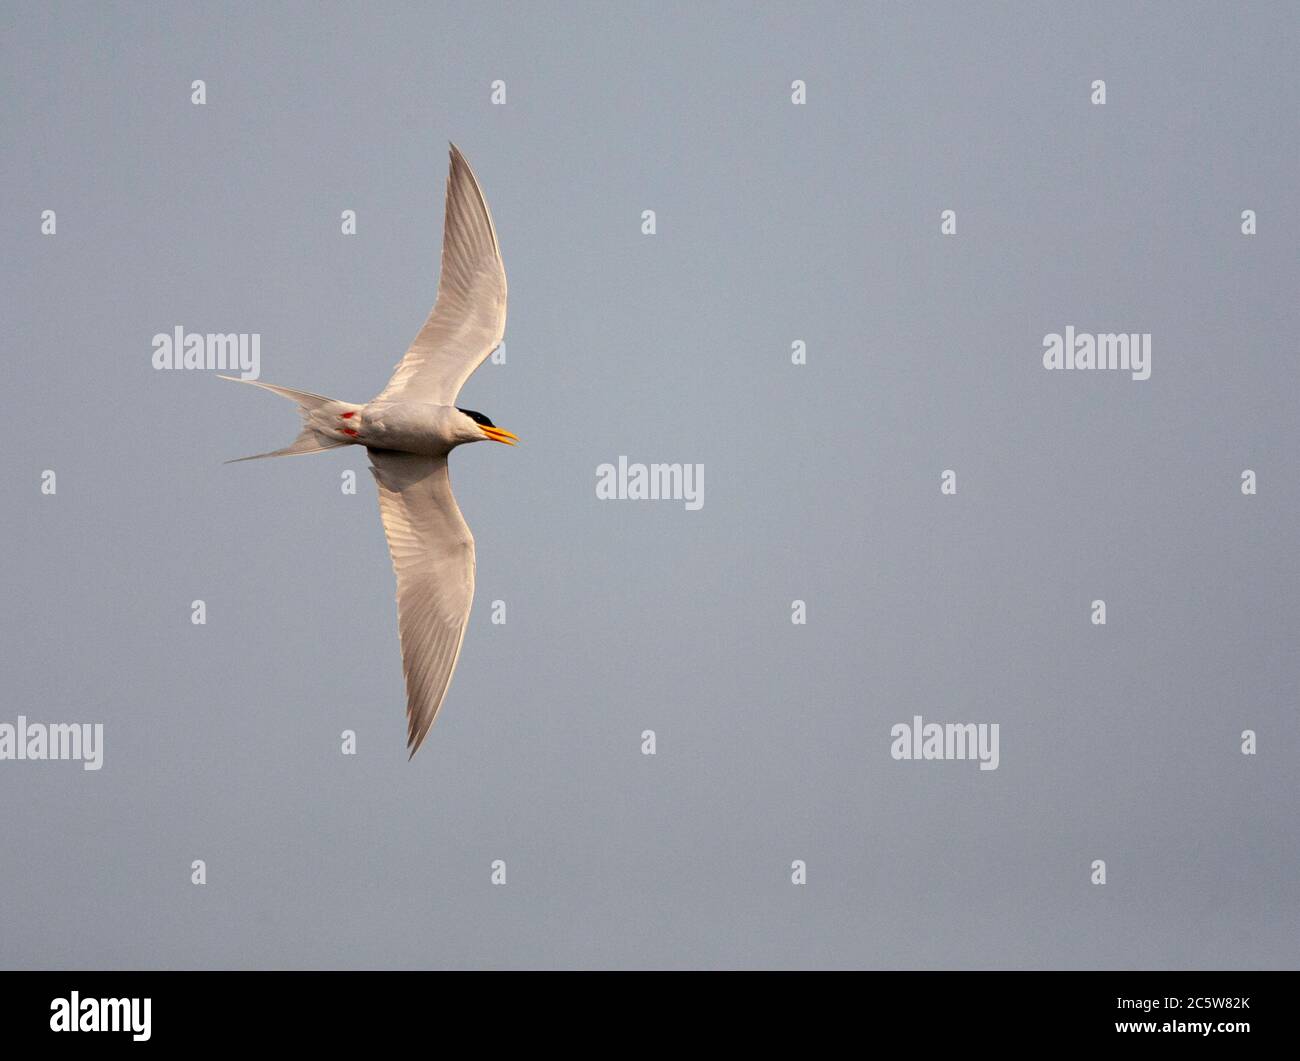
319 417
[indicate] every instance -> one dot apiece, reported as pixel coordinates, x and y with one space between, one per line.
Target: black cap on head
478 418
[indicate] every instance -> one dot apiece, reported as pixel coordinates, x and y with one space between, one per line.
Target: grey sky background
775 223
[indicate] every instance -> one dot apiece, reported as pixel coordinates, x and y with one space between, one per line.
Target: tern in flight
409 429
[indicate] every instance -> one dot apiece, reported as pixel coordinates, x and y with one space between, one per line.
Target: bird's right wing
433 557
469 316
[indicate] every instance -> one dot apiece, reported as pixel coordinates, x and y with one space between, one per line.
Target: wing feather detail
468 319
433 559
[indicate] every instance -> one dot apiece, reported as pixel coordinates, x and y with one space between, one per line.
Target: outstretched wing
433 557
469 316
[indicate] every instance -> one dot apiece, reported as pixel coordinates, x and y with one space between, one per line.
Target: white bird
409 429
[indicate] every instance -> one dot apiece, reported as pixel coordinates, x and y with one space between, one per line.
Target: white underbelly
410 427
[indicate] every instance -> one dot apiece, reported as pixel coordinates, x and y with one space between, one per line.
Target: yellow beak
500 434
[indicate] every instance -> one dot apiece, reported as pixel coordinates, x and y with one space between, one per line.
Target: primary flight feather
409 429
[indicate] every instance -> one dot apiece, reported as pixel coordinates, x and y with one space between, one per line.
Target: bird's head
478 427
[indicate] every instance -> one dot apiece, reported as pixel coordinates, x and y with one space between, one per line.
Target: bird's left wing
433 557
469 316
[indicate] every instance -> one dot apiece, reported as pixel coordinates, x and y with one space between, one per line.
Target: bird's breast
408 427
